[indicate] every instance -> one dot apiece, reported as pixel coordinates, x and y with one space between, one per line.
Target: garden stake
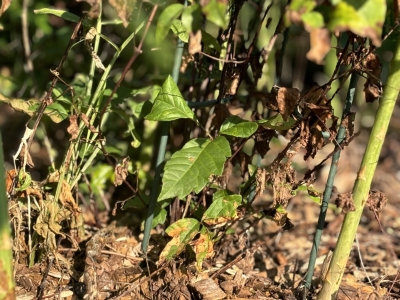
329 184
155 189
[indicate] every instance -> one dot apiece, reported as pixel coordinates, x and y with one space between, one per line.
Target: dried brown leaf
121 171
195 42
73 128
345 202
287 100
5 4
221 114
376 201
124 9
85 120
262 138
320 43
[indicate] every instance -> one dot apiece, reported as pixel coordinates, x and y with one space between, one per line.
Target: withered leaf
5 4
121 171
124 9
320 43
85 120
262 139
73 128
345 202
221 114
283 100
376 201
195 42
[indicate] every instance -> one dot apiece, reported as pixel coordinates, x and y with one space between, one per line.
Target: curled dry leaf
260 182
320 43
73 128
121 171
221 114
283 100
262 138
5 4
85 120
25 157
282 179
345 202
94 10
373 86
195 42
376 201
124 9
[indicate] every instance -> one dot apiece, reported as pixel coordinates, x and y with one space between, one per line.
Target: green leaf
160 216
236 126
222 209
24 180
313 19
136 139
60 13
99 176
168 15
210 41
364 18
277 123
178 28
169 104
192 18
190 168
182 232
216 12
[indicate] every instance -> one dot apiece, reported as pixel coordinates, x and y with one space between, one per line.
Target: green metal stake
155 189
329 184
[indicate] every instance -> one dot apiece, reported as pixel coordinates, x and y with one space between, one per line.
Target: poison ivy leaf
236 126
364 18
277 122
178 28
168 15
160 216
215 12
182 232
169 104
203 247
190 168
223 208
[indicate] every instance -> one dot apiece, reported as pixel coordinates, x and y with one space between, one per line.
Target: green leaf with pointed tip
238 127
364 18
216 12
182 232
60 13
178 28
222 209
168 15
190 168
277 123
169 104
